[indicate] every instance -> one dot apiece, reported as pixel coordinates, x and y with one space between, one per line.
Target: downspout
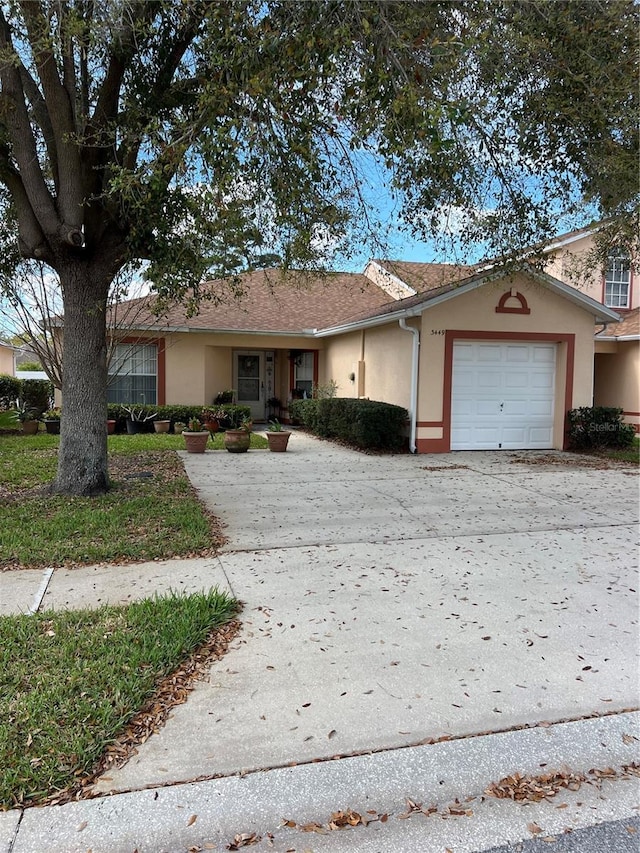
413 404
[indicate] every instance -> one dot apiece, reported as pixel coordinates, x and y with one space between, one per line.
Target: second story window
617 280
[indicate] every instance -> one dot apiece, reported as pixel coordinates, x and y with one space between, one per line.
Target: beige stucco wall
616 379
569 265
380 359
343 357
7 365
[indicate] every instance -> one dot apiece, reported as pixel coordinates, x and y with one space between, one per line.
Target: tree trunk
82 458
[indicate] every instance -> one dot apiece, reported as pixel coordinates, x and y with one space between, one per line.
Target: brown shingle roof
271 302
629 325
422 277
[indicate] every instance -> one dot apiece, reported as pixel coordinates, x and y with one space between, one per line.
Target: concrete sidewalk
388 600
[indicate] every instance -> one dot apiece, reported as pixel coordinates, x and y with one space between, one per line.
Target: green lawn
70 682
138 519
631 454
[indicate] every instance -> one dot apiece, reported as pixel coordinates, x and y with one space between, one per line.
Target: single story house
482 359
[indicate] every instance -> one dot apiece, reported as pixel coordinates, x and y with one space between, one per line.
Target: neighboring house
617 347
481 359
7 358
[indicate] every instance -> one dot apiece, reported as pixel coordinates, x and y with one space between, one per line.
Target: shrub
363 423
36 394
598 428
9 390
304 412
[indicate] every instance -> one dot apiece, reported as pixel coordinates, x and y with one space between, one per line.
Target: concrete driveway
391 600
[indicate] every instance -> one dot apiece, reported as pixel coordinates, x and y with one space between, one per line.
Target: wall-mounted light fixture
352 377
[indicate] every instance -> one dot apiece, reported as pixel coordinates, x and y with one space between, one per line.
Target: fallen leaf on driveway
243 840
533 828
192 820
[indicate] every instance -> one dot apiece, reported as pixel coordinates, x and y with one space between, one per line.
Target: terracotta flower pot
30 427
161 426
196 442
212 425
237 440
111 426
278 441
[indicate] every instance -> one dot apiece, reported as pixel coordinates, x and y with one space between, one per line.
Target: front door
249 381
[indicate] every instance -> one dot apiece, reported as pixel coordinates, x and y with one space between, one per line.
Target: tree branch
22 138
61 115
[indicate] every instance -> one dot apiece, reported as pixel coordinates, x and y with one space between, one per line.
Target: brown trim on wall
432 445
632 414
162 372
453 335
315 367
501 307
429 424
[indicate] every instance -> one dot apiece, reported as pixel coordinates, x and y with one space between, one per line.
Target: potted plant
212 418
224 397
137 419
179 427
161 426
238 440
277 437
195 437
52 421
28 417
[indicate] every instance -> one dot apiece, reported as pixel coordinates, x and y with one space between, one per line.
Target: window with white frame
617 279
133 375
303 375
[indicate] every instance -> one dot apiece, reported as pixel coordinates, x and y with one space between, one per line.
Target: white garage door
502 396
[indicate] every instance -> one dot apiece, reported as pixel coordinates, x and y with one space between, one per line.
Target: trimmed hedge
9 390
32 393
37 394
598 428
118 413
367 424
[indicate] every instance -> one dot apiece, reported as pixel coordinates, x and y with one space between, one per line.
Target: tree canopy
197 137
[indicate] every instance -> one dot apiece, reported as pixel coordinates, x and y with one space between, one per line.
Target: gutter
413 405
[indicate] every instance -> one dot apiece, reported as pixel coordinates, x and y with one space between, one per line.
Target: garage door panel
502 395
517 354
487 407
488 353
516 379
541 409
489 379
542 380
546 354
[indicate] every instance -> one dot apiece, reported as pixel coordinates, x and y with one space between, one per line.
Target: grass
71 681
629 454
139 519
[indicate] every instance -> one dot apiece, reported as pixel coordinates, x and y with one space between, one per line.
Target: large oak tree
194 136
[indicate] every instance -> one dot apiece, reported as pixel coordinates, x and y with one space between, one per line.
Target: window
617 280
133 375
303 376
